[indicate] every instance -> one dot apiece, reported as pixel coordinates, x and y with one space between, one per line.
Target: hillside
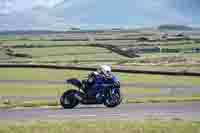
174 27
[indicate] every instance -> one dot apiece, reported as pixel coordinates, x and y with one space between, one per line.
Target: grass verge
28 104
32 90
148 126
163 100
46 74
57 90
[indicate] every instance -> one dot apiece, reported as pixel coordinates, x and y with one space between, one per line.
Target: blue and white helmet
105 69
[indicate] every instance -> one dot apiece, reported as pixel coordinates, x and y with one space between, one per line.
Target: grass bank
9 104
162 99
148 126
57 90
46 74
32 90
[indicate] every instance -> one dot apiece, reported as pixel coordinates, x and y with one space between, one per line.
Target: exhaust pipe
78 97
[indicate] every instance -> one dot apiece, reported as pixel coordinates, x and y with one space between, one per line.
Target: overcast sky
52 14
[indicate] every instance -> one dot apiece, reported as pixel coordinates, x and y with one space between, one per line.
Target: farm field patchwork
84 55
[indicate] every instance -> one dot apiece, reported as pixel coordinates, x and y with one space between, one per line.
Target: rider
99 80
102 73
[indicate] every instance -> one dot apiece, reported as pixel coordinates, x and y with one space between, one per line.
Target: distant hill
30 32
42 32
174 27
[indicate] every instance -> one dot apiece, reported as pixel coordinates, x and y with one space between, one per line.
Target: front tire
67 100
113 98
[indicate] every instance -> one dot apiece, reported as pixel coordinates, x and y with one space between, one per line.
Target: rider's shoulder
93 74
114 77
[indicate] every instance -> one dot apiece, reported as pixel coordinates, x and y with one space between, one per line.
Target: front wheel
112 98
68 100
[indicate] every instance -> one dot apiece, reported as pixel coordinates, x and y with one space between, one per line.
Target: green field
94 126
57 90
46 74
66 55
11 42
84 55
69 54
32 90
53 51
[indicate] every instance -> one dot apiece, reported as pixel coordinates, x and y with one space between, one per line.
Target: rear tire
67 100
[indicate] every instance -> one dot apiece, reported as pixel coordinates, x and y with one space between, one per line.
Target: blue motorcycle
99 91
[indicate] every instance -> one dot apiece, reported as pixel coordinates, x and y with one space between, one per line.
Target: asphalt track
167 111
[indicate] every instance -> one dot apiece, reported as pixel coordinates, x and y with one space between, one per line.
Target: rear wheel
68 100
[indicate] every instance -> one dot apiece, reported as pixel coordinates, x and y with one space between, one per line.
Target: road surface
186 111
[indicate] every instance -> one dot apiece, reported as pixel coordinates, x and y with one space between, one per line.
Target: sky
60 14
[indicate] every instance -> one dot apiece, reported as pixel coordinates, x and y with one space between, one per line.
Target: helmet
105 69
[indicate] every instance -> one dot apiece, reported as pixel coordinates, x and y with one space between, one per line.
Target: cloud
46 3
126 12
90 13
5 6
9 6
188 9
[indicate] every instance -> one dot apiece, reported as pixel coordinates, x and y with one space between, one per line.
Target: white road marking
88 115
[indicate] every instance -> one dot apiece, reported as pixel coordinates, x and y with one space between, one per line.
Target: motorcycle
110 95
